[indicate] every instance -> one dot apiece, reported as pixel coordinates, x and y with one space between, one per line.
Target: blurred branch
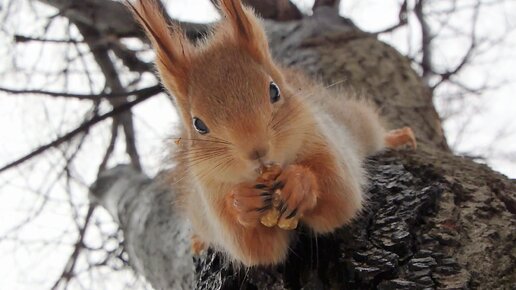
111 75
142 95
91 97
23 38
111 18
111 146
129 58
402 19
68 272
331 3
469 53
279 10
426 41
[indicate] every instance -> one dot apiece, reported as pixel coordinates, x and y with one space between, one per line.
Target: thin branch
111 146
67 273
469 53
142 95
402 19
91 97
22 38
426 40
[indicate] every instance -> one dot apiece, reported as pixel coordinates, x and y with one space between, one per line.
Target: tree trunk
432 220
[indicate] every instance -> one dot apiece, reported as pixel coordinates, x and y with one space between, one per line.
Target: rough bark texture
426 226
433 220
332 49
156 237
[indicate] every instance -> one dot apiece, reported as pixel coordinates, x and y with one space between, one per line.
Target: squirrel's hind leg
400 137
197 245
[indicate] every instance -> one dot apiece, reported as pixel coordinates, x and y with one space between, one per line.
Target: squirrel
264 147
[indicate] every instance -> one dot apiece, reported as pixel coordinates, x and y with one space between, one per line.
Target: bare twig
111 146
426 41
469 53
22 38
402 19
91 97
68 271
142 95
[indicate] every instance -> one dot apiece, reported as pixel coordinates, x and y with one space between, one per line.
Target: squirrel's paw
249 202
399 137
297 194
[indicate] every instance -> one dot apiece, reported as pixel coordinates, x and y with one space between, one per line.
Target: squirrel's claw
298 195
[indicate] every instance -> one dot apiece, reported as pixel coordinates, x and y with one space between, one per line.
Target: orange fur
400 137
317 137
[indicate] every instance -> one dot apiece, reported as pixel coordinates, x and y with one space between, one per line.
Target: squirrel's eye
200 126
274 92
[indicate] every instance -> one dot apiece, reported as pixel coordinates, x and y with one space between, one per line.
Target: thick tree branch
278 10
111 18
161 241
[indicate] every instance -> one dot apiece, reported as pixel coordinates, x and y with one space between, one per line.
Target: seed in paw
270 219
288 224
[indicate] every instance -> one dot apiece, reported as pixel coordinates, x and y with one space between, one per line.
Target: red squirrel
258 137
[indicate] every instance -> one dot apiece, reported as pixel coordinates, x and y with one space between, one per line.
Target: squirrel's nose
258 152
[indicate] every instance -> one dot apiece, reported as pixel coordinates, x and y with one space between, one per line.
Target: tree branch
469 53
89 97
101 55
67 273
402 19
331 3
426 41
278 10
112 18
111 146
141 95
22 38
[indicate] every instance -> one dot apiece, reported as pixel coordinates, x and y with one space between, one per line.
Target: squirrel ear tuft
173 49
246 28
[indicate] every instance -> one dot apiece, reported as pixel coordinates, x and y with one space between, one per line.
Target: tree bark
433 220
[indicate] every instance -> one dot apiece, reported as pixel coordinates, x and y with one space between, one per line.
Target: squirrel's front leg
249 241
319 193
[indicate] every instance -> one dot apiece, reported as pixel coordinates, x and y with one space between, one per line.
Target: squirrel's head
238 111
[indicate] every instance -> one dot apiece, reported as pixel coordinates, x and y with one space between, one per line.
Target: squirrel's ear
173 49
246 28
